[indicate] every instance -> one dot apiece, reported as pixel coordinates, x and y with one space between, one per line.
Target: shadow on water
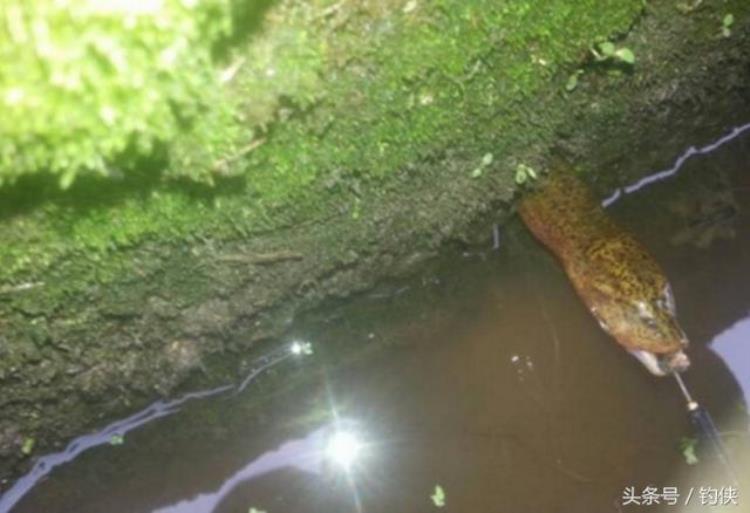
484 375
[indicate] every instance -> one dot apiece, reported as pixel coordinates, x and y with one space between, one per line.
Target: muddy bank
191 313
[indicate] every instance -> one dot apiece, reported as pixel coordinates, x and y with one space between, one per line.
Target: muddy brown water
483 375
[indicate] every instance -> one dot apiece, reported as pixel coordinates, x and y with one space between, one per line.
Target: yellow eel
619 281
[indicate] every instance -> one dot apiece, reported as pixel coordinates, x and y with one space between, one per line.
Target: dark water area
484 375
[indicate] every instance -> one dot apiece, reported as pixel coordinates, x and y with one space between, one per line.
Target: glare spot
343 448
301 348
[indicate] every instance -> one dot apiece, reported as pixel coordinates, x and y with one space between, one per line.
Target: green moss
85 82
340 94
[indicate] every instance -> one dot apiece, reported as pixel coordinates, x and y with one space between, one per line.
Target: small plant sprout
572 82
603 51
357 209
479 170
116 439
254 510
28 446
438 497
299 347
524 173
608 52
726 25
410 6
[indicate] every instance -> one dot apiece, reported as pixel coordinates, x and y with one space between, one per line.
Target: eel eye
649 321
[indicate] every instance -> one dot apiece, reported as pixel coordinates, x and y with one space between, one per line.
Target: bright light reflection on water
306 454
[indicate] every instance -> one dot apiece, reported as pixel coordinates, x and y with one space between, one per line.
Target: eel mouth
676 362
662 365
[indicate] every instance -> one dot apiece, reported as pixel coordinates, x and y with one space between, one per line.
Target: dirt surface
182 314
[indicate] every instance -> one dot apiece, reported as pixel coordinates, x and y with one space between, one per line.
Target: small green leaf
626 55
253 510
690 457
607 48
687 447
28 445
524 173
438 497
572 82
116 440
477 172
487 159
728 20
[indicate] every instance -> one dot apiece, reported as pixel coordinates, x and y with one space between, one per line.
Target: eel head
646 325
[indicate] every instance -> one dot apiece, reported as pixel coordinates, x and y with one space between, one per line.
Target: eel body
616 277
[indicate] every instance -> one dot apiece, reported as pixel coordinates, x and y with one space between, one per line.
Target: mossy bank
381 131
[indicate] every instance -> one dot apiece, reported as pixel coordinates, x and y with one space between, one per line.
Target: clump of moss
85 81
